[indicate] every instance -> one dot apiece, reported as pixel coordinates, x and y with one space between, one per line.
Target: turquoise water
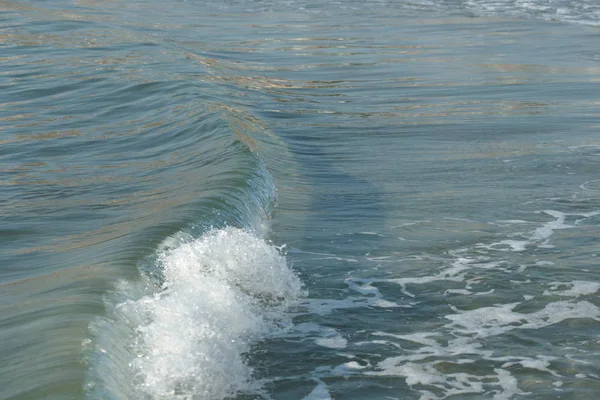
299 200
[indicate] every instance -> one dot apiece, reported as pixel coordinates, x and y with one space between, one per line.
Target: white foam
458 291
375 298
421 338
322 335
320 392
327 306
541 363
371 298
346 369
221 293
428 375
584 12
495 320
511 221
578 288
508 383
455 272
388 304
423 357
468 331
540 236
333 342
545 231
514 245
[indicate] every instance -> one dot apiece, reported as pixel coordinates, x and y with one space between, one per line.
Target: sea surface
299 199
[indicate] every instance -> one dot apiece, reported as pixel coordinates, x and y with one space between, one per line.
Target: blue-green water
299 199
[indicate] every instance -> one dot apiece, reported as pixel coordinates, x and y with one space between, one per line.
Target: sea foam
220 294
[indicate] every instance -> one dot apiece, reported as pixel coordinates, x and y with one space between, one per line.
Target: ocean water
297 199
